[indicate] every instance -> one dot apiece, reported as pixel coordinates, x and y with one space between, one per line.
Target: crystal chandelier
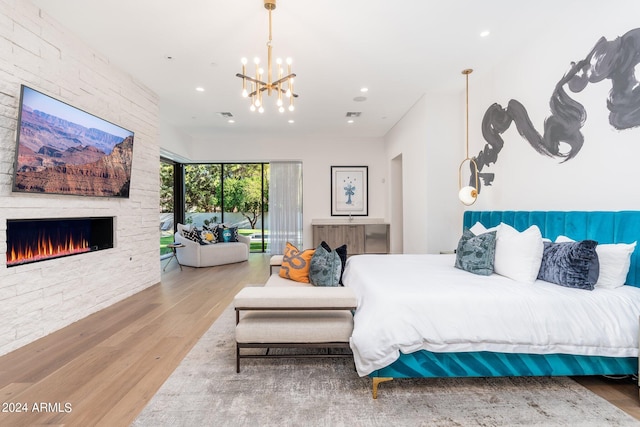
253 87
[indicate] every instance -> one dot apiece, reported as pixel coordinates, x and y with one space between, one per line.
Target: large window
245 201
203 194
167 203
234 194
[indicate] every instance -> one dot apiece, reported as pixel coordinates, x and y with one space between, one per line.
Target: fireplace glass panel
33 240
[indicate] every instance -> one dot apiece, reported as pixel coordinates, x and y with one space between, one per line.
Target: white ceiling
398 49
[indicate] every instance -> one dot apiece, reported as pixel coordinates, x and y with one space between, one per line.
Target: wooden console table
359 238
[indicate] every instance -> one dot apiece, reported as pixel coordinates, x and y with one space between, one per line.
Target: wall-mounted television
64 150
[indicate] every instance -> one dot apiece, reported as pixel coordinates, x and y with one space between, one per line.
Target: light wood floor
108 366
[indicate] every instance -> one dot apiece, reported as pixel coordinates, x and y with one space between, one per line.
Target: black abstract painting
562 139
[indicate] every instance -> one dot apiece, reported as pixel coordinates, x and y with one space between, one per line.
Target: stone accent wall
40 298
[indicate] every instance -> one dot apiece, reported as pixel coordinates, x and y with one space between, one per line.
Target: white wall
37 299
603 175
317 156
430 139
174 144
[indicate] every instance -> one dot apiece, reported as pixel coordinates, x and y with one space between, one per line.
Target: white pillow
614 259
518 255
479 229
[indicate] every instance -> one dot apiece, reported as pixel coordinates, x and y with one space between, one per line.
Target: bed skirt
425 364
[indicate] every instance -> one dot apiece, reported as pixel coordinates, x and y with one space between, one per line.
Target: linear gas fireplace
33 240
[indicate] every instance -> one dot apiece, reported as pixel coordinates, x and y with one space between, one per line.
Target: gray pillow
325 268
570 264
476 254
342 253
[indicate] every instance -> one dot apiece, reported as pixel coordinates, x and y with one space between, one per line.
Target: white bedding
413 302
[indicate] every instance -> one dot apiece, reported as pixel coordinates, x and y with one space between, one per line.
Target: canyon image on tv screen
61 149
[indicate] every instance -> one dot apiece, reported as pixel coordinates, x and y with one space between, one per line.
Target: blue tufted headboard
601 226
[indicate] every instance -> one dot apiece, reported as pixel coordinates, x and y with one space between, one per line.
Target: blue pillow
476 254
570 264
227 234
325 268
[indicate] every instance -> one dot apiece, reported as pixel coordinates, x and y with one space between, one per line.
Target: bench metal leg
237 359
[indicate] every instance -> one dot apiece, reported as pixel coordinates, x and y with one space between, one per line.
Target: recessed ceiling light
485 33
231 121
200 89
350 121
291 121
364 89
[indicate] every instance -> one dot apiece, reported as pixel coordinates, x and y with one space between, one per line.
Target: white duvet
413 302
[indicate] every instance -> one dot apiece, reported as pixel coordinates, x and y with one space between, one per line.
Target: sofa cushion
223 253
214 230
301 297
276 280
296 263
192 234
208 237
295 326
227 234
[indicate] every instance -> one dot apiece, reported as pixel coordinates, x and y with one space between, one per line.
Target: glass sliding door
203 194
167 198
243 200
233 194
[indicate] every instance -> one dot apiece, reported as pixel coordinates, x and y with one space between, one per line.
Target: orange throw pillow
295 264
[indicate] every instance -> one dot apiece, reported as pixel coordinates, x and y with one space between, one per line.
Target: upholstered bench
275 261
293 316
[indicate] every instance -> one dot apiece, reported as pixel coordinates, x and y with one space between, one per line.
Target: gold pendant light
468 194
282 86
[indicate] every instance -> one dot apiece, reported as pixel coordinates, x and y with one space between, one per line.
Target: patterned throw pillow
570 264
476 254
326 267
342 253
208 237
227 234
214 232
191 234
295 264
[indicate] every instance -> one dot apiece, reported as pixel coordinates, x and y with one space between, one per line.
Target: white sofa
194 254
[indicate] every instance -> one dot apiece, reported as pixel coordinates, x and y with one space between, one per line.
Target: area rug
205 390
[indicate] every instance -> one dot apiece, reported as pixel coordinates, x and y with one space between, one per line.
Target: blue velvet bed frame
604 227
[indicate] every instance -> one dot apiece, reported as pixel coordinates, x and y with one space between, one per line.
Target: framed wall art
349 191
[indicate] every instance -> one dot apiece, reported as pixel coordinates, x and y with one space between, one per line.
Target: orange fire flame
46 247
